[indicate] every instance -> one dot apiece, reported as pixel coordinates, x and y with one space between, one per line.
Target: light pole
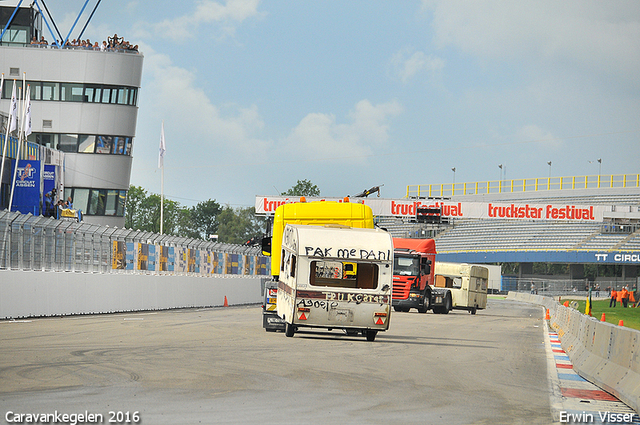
454 175
549 163
500 167
599 166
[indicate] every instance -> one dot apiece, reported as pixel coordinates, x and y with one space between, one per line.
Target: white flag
163 148
13 110
27 129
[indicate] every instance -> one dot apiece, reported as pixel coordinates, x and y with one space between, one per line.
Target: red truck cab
413 273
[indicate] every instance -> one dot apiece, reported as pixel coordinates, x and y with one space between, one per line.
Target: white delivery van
466 284
335 277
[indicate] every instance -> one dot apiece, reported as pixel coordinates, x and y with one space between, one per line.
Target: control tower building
84 108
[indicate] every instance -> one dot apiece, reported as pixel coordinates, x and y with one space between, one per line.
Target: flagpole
12 113
15 171
161 163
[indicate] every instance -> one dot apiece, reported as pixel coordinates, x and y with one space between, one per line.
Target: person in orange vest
614 297
624 295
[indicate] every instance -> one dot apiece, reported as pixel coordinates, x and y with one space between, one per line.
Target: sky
350 94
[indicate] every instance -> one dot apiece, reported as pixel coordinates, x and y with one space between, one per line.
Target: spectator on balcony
43 42
34 40
104 46
115 40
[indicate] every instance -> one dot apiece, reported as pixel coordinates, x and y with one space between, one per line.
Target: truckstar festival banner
267 205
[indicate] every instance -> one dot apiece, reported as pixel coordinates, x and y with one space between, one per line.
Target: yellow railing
524 185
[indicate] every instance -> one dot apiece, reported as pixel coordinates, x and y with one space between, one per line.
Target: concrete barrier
604 354
41 294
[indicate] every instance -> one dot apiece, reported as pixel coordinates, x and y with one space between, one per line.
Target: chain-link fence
566 287
39 243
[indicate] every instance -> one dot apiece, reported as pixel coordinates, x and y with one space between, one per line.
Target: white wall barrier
604 354
41 294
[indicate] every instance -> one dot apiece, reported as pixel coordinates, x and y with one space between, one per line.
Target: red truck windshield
406 266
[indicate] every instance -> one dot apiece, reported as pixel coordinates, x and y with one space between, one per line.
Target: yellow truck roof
316 214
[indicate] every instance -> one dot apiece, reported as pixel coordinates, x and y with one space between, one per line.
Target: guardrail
609 181
604 354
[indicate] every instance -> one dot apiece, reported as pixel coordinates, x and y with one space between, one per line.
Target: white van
335 277
466 285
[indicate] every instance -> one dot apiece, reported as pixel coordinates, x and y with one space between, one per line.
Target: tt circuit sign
618 257
266 205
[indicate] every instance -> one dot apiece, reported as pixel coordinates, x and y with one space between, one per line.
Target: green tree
142 212
204 217
240 225
303 188
198 222
135 196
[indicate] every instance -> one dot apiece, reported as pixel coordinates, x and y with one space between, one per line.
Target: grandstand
613 238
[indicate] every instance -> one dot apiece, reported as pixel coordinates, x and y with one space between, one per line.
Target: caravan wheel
370 334
289 330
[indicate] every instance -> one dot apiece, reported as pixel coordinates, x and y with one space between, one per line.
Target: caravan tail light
303 312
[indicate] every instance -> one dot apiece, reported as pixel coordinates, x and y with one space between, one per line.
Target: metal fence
36 243
567 287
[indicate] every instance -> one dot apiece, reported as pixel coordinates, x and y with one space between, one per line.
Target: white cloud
321 136
541 138
407 63
227 16
604 36
174 95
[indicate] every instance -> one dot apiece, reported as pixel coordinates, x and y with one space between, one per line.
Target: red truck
413 273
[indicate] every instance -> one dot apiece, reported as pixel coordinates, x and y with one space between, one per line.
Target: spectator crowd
111 44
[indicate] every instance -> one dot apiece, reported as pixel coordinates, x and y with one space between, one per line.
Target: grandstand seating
508 235
618 232
511 235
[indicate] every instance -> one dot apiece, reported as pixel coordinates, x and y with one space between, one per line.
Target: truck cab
335 277
413 274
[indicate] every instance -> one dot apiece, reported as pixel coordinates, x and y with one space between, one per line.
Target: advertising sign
486 210
48 178
26 195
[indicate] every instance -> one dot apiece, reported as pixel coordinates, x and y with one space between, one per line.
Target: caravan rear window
344 274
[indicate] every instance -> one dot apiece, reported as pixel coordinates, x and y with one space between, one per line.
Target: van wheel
289 330
396 308
473 310
371 334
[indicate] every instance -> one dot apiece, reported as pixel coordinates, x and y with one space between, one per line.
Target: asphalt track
218 366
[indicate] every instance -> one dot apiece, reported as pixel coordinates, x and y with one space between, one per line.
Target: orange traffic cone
602 318
621 323
226 303
546 316
566 304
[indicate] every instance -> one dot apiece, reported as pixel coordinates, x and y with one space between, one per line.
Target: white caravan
467 284
335 277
